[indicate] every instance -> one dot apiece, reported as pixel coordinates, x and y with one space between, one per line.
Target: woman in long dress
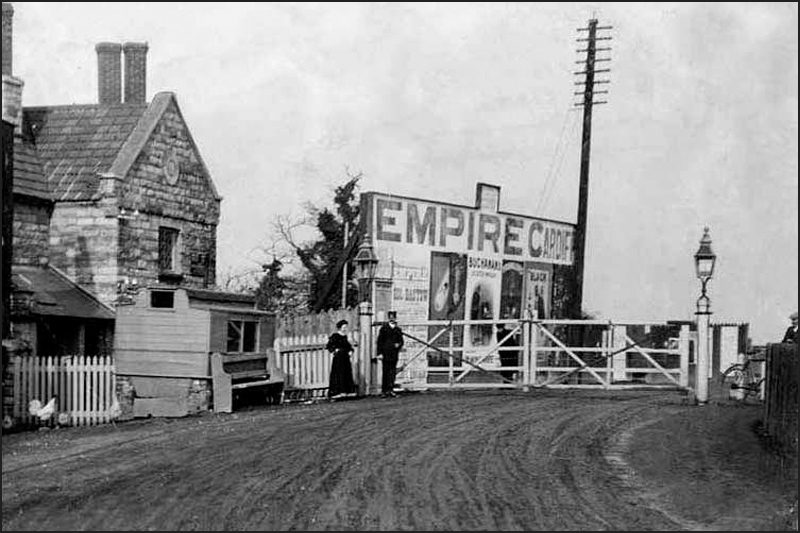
341 378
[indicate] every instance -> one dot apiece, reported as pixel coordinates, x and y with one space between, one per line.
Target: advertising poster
447 302
511 289
484 276
409 275
440 262
537 289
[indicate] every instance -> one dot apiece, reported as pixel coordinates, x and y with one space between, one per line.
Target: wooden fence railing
83 388
780 406
307 364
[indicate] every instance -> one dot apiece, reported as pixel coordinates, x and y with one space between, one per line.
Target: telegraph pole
588 93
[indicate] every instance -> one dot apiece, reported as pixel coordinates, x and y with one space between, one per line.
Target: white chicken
42 413
115 410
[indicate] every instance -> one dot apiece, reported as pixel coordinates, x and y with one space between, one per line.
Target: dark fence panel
780 410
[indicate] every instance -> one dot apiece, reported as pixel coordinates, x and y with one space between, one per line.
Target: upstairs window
168 258
242 336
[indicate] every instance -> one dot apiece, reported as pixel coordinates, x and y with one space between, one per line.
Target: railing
306 364
83 388
552 353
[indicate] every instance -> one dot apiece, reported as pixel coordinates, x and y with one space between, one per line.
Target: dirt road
432 461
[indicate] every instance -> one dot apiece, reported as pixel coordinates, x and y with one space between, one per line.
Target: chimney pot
109 73
135 72
8 16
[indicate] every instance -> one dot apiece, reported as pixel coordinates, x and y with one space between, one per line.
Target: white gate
546 353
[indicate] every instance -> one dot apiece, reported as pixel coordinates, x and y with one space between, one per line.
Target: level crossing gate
546 353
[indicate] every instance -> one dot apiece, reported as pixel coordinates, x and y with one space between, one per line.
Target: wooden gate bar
572 354
436 348
653 362
492 350
422 350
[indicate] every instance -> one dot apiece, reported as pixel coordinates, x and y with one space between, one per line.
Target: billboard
449 262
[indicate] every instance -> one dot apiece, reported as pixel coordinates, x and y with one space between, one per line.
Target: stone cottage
110 199
132 197
47 312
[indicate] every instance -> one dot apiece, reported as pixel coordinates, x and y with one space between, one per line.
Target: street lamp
704 261
366 263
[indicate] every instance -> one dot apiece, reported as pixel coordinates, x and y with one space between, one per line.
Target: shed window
162 299
242 336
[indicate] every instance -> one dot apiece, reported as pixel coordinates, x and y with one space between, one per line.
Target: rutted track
456 461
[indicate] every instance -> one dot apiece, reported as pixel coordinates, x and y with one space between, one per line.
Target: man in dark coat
390 341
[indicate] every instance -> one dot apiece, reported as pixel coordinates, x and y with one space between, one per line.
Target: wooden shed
163 342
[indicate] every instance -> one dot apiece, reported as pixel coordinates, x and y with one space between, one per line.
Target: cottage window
168 258
242 336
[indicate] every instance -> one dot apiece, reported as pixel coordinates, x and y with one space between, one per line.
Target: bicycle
744 380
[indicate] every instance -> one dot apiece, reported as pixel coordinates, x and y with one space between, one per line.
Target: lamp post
704 261
366 264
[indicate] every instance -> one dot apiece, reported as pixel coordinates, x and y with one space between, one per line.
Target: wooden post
703 356
620 360
529 335
683 346
450 359
365 351
583 189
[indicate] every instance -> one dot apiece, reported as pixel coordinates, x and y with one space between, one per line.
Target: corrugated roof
76 142
56 295
29 176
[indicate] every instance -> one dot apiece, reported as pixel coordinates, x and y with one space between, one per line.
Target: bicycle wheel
734 373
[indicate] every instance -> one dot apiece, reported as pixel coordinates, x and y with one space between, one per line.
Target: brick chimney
109 73
8 15
135 72
12 87
12 100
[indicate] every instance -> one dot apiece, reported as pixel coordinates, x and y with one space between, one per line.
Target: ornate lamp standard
366 264
704 261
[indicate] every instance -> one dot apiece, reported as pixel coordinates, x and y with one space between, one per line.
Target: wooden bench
230 372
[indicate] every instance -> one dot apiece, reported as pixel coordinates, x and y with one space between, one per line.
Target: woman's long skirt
341 379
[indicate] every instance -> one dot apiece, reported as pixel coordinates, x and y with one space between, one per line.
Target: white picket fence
306 363
83 387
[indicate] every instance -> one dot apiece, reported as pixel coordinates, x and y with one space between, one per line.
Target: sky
428 99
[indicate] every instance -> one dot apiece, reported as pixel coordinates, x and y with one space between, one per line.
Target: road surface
505 460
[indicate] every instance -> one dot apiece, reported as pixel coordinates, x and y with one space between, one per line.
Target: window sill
173 278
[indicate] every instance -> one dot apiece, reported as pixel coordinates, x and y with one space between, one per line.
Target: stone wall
138 252
125 394
11 349
99 243
185 201
141 396
83 244
31 231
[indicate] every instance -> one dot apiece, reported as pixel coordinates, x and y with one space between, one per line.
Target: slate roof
29 178
76 142
56 295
